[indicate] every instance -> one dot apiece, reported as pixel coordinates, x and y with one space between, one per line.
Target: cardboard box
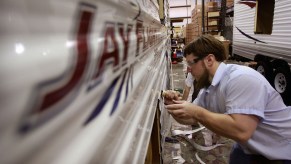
212 23
213 14
226 46
229 3
212 6
212 28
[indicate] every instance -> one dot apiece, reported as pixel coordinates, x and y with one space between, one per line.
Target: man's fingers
170 94
178 101
173 102
176 113
173 106
168 102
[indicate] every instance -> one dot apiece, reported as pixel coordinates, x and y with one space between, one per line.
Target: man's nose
188 69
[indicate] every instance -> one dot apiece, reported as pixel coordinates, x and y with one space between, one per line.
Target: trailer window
264 16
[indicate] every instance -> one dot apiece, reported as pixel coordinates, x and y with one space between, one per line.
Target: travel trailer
261 32
81 81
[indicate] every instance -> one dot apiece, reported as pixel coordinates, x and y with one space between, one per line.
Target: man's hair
204 45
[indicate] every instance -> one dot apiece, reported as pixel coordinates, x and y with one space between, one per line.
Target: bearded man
236 102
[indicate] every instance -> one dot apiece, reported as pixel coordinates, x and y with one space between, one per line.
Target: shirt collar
218 74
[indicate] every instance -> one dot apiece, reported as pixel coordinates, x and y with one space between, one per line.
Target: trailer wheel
265 69
282 83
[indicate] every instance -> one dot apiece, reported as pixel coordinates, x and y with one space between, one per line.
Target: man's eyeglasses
189 64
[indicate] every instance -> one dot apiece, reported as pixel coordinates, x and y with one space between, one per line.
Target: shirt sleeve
246 94
189 80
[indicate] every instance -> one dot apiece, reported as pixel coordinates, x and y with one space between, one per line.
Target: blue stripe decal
117 98
131 78
127 83
103 101
249 36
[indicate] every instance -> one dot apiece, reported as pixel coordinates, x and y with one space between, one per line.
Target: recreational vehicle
261 32
81 80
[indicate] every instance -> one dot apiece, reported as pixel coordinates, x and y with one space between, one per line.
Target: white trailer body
80 80
263 33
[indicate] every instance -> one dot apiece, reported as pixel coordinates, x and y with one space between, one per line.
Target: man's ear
209 60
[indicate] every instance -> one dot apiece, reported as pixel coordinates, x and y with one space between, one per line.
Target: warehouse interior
190 19
145 82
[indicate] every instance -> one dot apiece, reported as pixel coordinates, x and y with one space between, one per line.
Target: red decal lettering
110 49
125 39
139 35
145 39
81 62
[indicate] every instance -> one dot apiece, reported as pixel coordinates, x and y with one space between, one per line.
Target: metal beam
203 17
222 15
180 6
178 19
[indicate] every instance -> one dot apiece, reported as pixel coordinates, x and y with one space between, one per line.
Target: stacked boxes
213 18
225 44
189 33
229 3
195 28
212 6
211 21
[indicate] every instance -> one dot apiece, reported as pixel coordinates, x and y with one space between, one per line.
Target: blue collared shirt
242 90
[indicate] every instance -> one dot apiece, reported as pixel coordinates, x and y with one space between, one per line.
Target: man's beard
203 81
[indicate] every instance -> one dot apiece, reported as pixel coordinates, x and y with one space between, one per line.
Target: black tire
265 68
282 83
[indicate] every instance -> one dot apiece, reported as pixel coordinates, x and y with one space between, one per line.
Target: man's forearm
238 127
186 121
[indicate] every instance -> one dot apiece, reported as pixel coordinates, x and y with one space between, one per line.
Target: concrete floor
181 149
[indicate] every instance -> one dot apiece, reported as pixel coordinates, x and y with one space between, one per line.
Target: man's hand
170 96
182 111
190 121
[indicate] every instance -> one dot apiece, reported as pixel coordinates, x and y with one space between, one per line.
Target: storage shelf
213 16
212 31
212 25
